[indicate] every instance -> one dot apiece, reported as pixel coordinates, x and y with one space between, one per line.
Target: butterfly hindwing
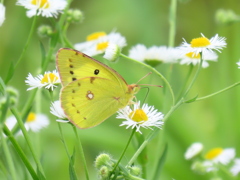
89 101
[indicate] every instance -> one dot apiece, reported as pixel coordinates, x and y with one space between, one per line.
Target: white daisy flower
34 122
155 54
203 44
57 111
194 150
238 63
91 40
97 43
194 59
49 80
112 52
209 166
235 169
220 155
2 14
137 117
46 8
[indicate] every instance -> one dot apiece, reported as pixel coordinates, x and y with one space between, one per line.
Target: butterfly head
134 88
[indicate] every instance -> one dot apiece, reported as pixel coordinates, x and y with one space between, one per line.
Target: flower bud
103 160
45 31
74 16
104 172
226 17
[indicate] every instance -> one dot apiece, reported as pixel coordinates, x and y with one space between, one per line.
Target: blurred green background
214 122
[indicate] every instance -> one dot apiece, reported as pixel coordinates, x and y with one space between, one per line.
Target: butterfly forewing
73 65
89 101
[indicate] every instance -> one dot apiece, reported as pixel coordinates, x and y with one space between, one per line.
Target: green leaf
72 172
40 175
160 163
2 86
10 73
191 100
43 53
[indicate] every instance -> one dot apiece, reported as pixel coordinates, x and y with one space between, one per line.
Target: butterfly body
91 91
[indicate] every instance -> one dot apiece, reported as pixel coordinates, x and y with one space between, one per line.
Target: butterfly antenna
144 77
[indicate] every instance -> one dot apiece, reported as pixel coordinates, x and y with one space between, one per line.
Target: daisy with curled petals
194 59
154 55
2 14
220 155
203 44
46 8
238 63
34 122
49 80
194 150
235 169
97 43
137 117
57 111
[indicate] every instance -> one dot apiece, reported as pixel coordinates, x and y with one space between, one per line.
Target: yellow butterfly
91 91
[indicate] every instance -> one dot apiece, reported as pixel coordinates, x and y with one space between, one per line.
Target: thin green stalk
153 133
172 23
158 73
28 104
67 151
63 140
81 152
186 80
125 149
218 92
195 76
26 136
20 153
8 157
10 75
65 41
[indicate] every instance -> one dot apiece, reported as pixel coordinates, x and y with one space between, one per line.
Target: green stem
74 175
153 133
81 152
158 73
195 76
9 76
218 92
124 151
65 42
20 152
26 136
172 22
186 80
28 104
64 142
8 157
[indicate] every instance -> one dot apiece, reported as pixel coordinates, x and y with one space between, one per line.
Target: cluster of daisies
110 45
214 160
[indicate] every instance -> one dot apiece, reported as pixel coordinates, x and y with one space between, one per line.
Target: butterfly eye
96 71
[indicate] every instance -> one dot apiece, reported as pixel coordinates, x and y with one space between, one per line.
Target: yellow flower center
193 55
139 115
200 42
95 36
213 153
49 78
31 117
41 3
102 46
